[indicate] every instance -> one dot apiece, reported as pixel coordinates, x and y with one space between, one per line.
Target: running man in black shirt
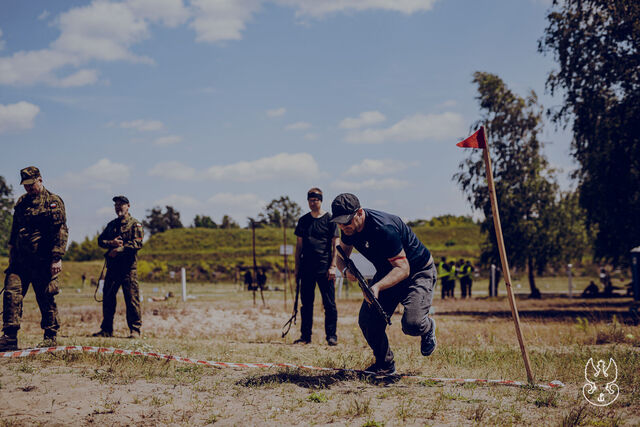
405 273
315 263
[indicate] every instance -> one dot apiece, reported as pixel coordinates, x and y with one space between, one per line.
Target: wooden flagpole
503 256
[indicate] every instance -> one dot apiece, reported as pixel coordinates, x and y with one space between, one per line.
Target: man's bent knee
414 325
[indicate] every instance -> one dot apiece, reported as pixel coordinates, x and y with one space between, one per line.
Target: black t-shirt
383 237
316 234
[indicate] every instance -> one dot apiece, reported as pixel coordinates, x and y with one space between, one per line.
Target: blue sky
217 107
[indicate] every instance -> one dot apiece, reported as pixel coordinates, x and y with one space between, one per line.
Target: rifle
295 310
363 285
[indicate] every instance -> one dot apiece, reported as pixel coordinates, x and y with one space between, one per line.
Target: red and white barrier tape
108 350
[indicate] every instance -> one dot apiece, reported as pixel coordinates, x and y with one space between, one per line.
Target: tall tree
228 222
157 221
523 181
85 251
596 44
204 221
6 216
279 210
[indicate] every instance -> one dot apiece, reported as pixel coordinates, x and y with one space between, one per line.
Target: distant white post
570 281
183 275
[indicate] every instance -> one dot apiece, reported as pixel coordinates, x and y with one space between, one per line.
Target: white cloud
376 167
298 126
103 175
2 42
143 125
173 170
80 78
449 103
276 112
418 127
370 184
106 31
178 201
44 15
168 140
311 136
318 9
102 31
16 117
366 118
218 20
280 166
171 12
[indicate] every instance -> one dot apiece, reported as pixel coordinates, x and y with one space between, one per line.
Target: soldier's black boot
48 341
8 342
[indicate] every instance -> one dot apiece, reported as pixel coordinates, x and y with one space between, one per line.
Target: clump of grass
26 368
612 334
575 417
547 399
359 407
476 413
317 397
373 423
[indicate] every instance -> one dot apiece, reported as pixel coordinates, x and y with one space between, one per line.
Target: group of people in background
37 243
449 272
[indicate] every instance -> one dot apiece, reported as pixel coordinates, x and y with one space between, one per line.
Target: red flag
477 140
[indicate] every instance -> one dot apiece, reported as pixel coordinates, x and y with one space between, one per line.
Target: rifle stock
363 285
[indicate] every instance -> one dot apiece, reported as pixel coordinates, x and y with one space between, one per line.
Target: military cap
121 199
344 208
29 175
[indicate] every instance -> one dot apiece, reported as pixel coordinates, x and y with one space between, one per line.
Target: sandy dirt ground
81 389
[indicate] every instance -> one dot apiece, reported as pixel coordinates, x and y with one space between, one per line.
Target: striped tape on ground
118 351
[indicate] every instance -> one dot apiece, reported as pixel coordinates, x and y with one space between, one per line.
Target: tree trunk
535 293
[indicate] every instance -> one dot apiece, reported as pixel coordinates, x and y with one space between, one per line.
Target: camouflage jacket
39 229
131 232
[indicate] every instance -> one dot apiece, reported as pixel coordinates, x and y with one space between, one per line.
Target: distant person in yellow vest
466 279
442 275
451 282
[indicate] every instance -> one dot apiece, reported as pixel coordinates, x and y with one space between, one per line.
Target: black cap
344 208
121 199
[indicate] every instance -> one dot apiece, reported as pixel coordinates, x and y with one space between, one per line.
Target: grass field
475 340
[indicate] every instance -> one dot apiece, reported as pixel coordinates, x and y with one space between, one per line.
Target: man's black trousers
307 296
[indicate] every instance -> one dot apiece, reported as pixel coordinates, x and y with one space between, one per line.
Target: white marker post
183 275
570 281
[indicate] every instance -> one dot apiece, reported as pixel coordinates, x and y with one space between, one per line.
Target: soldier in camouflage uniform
36 245
123 237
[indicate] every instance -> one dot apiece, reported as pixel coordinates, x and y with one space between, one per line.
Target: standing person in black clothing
315 263
405 274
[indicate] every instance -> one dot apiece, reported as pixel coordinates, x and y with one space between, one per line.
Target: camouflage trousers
128 279
18 277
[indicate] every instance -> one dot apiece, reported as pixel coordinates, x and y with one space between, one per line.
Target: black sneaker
8 343
428 341
302 341
103 334
332 341
382 369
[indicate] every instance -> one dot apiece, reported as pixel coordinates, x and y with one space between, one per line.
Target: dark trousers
307 297
415 294
17 279
465 286
129 282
